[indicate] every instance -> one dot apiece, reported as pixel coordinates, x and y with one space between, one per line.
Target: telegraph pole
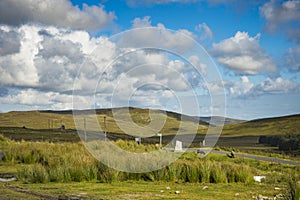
84 126
105 127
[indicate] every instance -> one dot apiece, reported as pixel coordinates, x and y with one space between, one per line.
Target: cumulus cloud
135 3
278 13
243 54
9 42
276 86
204 30
48 60
293 59
40 99
245 88
54 12
164 38
242 88
282 16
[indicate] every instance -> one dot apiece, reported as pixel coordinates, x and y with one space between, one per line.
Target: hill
219 120
49 119
269 126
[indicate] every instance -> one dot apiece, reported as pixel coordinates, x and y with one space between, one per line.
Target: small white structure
160 138
138 140
259 178
178 146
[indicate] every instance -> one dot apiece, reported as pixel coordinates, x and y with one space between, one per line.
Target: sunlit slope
269 126
141 117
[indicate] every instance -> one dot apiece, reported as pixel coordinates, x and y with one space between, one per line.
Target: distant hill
217 120
49 119
268 126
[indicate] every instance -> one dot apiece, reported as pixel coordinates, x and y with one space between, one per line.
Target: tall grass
293 187
65 162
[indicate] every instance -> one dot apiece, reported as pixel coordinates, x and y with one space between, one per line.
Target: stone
178 146
259 178
205 187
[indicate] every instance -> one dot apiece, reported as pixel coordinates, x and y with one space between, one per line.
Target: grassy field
39 178
139 190
66 170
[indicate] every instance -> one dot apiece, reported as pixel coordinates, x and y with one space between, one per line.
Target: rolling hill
48 119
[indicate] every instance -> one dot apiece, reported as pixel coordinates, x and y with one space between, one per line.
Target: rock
168 188
259 178
261 197
177 192
205 187
7 179
279 196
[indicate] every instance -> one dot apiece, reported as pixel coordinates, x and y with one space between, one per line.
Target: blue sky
255 45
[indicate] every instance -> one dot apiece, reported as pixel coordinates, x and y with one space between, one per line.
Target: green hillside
54 120
269 126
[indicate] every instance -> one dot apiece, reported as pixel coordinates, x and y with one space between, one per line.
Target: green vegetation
139 190
287 143
66 162
57 166
54 120
51 161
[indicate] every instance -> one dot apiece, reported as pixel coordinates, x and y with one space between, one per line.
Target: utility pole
105 127
84 127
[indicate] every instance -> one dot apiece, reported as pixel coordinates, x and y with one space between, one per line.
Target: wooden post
84 125
105 128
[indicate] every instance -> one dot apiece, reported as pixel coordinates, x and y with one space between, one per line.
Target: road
244 155
262 158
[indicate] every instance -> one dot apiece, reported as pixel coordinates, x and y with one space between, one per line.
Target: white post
160 139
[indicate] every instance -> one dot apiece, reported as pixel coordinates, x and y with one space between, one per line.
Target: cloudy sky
54 52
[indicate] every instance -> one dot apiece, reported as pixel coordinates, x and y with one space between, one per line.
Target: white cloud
195 61
245 88
204 30
243 54
241 88
135 3
293 58
278 14
141 22
282 16
49 58
10 42
176 41
276 86
54 12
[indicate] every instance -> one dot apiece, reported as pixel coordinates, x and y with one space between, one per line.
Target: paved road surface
263 158
242 155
